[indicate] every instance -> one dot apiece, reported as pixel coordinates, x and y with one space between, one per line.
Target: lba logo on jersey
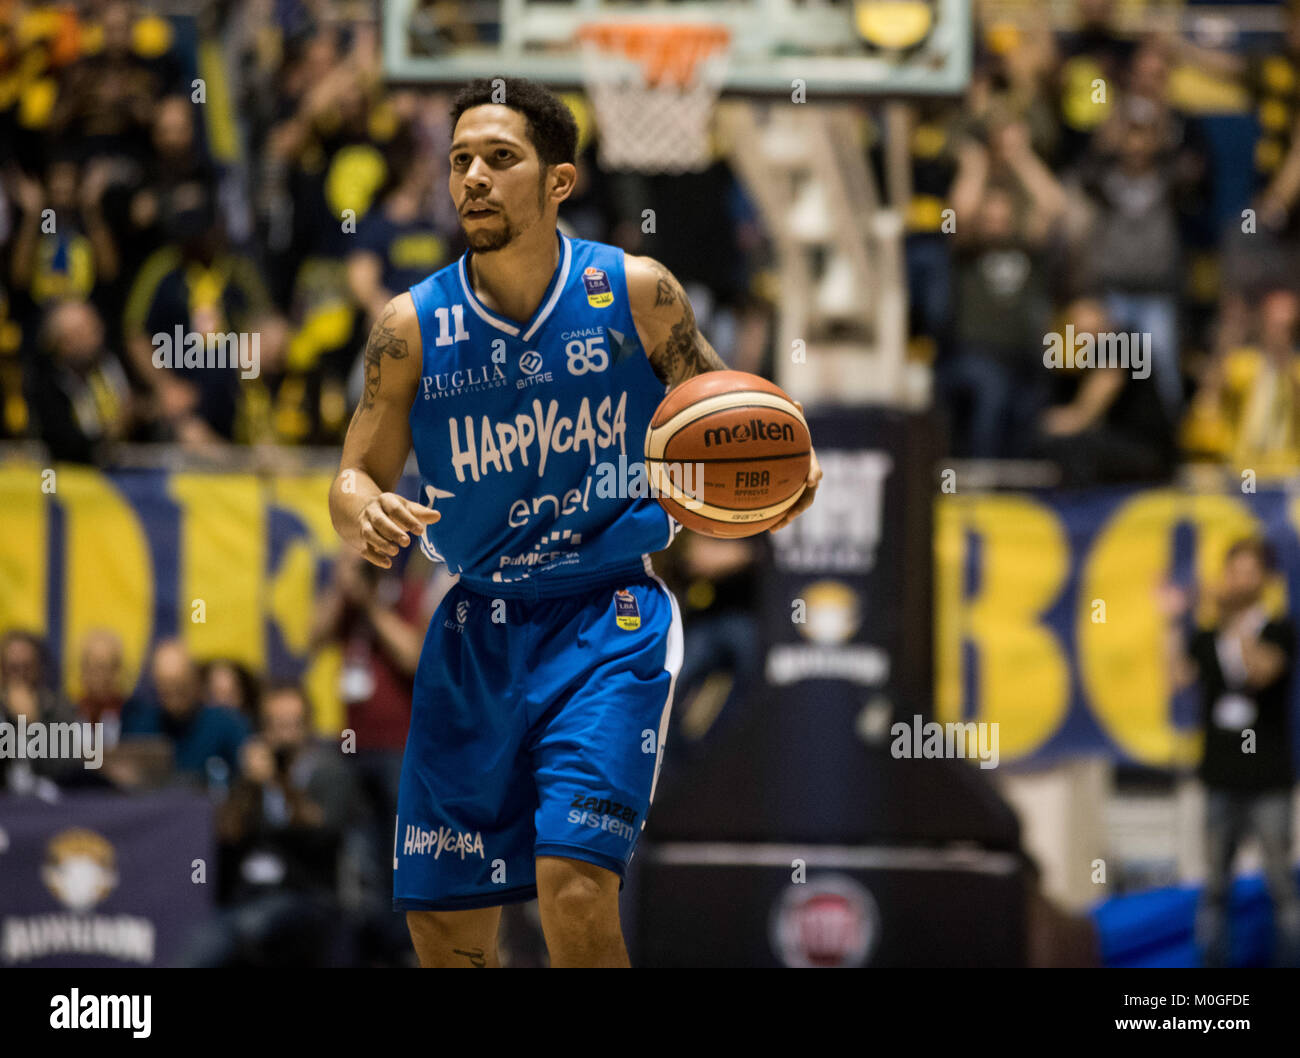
626 612
830 921
599 295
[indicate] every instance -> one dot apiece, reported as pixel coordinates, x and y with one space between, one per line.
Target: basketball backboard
922 47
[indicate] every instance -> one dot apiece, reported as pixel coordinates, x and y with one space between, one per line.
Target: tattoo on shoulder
667 289
383 342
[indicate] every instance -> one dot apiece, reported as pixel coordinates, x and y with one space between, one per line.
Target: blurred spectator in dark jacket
196 283
1093 59
292 400
25 691
175 158
206 738
62 246
78 393
377 619
1133 249
102 693
1105 424
1242 668
1006 202
398 244
1260 246
106 99
231 685
281 832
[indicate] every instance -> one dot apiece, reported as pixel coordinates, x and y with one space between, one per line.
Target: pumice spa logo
192 349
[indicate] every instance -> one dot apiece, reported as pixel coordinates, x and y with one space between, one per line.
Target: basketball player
542 695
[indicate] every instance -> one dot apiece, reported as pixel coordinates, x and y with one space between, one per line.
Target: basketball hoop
653 86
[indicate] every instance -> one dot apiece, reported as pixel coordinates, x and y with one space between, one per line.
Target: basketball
727 453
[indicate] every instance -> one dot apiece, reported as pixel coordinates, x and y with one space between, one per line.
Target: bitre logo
829 922
531 362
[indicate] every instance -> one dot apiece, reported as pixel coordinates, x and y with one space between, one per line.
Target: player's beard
484 240
481 241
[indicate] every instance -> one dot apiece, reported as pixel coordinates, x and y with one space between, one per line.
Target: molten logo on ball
754 430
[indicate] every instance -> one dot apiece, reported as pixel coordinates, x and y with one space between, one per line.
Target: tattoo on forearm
686 353
383 341
475 956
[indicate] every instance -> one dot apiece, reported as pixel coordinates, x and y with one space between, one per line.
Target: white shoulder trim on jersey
555 294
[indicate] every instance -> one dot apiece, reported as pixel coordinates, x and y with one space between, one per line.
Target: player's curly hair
552 129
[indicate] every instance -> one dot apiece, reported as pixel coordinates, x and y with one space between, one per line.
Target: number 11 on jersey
444 325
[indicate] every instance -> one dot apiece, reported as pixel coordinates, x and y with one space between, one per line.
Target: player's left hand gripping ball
810 490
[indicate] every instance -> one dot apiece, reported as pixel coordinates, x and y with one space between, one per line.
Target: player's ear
562 179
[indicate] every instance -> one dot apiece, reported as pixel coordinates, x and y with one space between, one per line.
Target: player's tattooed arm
365 510
665 323
384 342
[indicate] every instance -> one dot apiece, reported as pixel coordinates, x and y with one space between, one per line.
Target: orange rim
667 51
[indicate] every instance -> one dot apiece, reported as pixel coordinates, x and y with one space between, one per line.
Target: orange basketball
727 453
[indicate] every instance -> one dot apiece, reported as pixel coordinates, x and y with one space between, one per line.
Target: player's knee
577 898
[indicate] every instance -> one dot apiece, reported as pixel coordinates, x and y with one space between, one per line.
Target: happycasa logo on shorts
421 842
830 921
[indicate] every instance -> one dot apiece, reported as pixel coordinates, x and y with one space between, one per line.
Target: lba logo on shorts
599 295
626 612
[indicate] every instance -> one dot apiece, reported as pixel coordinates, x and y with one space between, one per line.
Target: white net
653 89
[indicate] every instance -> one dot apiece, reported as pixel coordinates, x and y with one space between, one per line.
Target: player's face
497 181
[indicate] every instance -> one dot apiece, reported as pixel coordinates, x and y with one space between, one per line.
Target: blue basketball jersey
530 436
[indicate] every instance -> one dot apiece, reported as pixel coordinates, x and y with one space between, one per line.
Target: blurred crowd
304 822
245 170
1100 186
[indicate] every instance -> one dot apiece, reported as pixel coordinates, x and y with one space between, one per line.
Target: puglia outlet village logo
191 350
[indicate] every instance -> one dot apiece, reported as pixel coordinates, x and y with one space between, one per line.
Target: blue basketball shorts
537 729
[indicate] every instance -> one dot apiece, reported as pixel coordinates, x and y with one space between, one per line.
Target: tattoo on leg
475 956
383 341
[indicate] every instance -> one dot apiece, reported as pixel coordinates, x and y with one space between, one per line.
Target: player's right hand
387 524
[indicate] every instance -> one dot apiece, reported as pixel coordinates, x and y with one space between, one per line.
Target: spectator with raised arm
1242 667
